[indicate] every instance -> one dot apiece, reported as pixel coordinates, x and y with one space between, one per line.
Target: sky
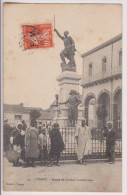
30 75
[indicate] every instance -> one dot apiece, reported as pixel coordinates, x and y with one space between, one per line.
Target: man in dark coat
57 144
110 142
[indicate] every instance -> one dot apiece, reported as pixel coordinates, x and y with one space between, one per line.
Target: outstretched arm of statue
59 35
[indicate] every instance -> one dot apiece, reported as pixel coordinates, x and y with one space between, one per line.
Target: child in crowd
44 146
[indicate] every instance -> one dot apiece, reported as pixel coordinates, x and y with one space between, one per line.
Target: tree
35 114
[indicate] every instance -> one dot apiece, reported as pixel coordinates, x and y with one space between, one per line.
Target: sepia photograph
62 97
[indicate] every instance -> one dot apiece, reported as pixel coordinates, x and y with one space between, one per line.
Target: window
120 58
90 69
18 117
104 61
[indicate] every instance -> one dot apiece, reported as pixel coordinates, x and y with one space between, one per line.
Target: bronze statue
68 52
74 101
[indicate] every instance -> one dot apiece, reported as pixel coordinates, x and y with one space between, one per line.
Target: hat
55 125
109 122
19 126
39 127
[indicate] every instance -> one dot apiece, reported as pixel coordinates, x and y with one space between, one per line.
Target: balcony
101 77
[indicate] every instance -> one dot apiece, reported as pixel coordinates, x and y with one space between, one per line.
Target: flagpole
54 21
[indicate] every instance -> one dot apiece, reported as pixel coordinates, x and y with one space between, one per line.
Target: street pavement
95 176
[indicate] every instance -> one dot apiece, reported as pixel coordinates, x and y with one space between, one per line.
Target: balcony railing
101 75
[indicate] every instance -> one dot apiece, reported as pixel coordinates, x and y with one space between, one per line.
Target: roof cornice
109 42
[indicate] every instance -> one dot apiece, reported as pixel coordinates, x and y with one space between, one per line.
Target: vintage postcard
62 97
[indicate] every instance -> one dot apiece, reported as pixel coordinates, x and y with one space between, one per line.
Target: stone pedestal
61 116
66 81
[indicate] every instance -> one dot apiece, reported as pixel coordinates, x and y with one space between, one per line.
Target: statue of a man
69 50
74 101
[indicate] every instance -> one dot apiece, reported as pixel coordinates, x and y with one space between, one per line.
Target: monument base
68 67
67 81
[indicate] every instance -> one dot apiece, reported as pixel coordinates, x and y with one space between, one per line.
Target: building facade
102 84
15 114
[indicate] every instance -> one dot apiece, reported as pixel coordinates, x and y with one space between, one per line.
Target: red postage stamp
37 36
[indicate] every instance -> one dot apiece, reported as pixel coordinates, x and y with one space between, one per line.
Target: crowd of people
45 143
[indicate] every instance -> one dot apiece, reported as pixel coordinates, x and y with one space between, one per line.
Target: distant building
102 83
46 116
16 113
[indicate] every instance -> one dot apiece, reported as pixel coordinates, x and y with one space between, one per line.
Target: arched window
104 62
90 69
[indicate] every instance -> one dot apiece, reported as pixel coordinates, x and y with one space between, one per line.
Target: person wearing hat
69 50
31 144
83 139
57 144
43 147
24 125
110 142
